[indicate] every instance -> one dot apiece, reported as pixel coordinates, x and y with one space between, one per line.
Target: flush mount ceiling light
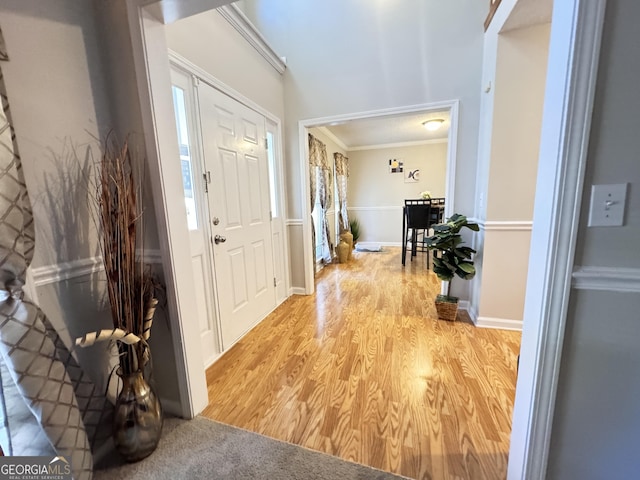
433 124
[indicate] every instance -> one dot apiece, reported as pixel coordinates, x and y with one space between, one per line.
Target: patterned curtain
318 159
326 198
342 175
29 347
315 152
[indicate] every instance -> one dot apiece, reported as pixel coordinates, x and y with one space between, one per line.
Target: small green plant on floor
354 225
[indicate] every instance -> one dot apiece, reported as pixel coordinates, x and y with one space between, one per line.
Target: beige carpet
204 449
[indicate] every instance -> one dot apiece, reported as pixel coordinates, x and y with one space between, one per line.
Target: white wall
55 82
57 92
343 57
211 43
70 81
517 120
518 96
376 197
596 427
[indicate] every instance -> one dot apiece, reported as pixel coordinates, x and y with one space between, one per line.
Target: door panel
231 186
256 196
233 139
237 266
260 272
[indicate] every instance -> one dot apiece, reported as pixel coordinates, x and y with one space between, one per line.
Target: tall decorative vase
343 251
347 236
137 420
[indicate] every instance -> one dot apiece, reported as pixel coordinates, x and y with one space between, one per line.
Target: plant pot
447 307
137 419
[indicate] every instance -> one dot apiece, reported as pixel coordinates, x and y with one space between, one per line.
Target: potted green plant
451 258
354 226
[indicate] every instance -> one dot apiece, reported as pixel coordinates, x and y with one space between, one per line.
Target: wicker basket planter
447 307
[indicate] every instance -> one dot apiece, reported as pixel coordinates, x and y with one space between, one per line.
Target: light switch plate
607 205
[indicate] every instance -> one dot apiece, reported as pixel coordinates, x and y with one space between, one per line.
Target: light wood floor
364 371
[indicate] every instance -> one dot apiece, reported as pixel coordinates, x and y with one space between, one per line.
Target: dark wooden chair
416 221
419 216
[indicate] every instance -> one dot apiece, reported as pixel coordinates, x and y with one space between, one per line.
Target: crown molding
333 137
381 146
244 27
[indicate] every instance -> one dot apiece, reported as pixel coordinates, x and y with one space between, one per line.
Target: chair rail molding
294 222
374 209
607 279
506 225
59 272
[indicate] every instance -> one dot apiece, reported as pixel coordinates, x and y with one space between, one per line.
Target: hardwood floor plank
364 370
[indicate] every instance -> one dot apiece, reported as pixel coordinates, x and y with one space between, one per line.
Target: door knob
215 220
219 239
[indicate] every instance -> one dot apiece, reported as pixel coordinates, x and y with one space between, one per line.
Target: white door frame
185 65
304 125
574 47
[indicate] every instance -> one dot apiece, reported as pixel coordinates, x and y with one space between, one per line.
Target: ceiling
406 128
526 13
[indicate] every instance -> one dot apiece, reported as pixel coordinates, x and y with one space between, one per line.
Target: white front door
197 215
234 145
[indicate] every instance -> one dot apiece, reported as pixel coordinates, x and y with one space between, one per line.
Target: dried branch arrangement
130 286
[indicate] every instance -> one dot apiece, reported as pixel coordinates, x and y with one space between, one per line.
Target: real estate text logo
35 468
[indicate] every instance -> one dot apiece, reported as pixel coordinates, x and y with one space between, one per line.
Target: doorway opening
569 98
346 126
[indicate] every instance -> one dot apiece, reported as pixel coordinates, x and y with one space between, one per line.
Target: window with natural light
180 108
271 156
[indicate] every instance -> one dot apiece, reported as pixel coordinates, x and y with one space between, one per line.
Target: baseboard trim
172 407
382 244
499 323
297 291
608 279
466 305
